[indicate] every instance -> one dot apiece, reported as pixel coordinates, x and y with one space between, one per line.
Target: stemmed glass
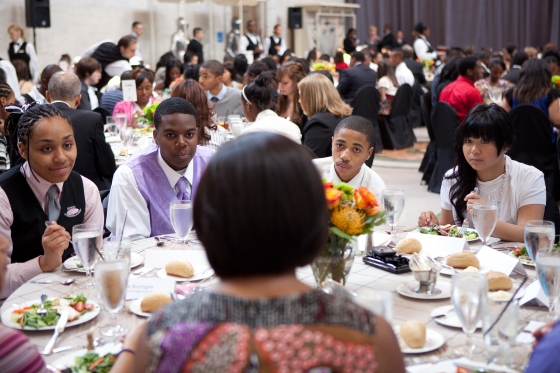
87 241
111 279
121 121
548 272
181 218
393 203
469 297
485 218
127 137
539 236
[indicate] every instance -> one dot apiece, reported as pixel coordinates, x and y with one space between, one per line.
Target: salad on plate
449 230
91 361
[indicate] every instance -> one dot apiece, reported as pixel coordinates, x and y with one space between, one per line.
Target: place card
129 90
534 295
439 246
159 258
140 287
499 262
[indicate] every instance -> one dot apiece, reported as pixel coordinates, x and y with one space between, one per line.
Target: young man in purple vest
146 185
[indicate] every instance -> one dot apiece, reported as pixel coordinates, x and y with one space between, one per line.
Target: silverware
463 227
67 282
159 241
96 342
60 325
42 311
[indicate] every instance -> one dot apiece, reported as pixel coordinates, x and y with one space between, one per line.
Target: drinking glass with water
485 218
87 240
539 236
548 272
393 203
181 218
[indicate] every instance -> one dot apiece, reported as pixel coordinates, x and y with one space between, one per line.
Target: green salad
26 316
92 362
449 231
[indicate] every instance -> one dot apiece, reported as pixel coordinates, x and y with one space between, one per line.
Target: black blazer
318 132
95 159
354 78
196 48
389 41
416 68
85 103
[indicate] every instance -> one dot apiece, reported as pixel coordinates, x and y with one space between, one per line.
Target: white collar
356 182
265 113
220 95
174 176
20 41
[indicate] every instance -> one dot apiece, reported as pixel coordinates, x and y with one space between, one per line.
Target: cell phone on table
383 251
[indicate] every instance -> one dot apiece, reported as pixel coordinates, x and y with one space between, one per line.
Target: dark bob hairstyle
260 207
489 122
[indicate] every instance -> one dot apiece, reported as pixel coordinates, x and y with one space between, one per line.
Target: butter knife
60 325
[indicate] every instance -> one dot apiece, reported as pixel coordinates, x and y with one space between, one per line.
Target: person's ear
370 152
48 96
220 78
23 151
78 100
3 102
155 136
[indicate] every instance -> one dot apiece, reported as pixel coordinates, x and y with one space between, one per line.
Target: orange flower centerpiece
353 212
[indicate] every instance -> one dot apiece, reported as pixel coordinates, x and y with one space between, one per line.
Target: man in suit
195 45
389 40
357 76
414 66
95 159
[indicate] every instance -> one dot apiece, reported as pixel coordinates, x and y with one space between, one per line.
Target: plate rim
429 331
436 297
440 319
81 270
162 274
60 362
136 303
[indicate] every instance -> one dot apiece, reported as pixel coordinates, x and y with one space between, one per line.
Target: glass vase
335 261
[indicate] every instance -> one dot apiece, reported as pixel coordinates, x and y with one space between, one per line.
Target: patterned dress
309 332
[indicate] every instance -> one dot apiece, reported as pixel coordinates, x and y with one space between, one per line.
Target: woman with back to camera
480 161
288 76
323 106
241 324
388 85
257 103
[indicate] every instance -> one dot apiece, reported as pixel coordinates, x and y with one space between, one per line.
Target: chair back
444 122
402 101
366 104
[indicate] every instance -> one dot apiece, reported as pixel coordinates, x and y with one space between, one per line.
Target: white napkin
439 246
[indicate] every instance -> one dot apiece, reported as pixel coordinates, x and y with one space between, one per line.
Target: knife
60 325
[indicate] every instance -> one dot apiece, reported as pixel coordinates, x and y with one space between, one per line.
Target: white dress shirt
276 39
11 76
126 196
421 47
404 75
220 94
269 121
34 94
244 43
30 50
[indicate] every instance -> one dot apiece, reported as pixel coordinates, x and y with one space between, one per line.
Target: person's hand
131 339
134 119
472 198
258 50
55 240
426 218
542 332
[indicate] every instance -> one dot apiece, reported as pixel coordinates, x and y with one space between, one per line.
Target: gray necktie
54 205
214 99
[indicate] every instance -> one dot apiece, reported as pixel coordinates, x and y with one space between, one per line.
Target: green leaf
340 233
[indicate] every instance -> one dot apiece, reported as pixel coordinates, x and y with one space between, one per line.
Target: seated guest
95 159
225 100
144 81
255 69
43 189
24 80
189 58
229 76
192 72
288 106
325 109
89 72
160 66
257 105
543 358
145 185
494 81
388 85
356 77
339 63
517 62
173 70
402 72
449 73
259 296
210 134
414 66
462 95
480 146
352 145
112 98
38 95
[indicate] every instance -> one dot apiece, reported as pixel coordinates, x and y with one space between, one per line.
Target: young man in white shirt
402 72
352 145
137 31
251 41
275 45
222 99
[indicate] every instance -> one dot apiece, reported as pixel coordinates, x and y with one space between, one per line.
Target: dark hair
467 63
519 58
551 56
241 65
485 121
136 23
324 73
358 56
325 57
258 93
449 73
302 61
87 66
276 235
215 67
164 60
420 28
510 49
350 30
497 61
196 30
193 92
385 68
174 105
172 64
66 57
125 41
5 89
188 57
140 74
339 57
2 76
270 63
229 67
312 55
287 54
358 124
534 81
22 70
256 69
191 72
398 52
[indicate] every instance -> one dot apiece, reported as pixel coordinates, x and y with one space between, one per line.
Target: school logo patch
72 211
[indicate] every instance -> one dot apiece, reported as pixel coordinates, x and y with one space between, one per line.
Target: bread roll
413 333
498 281
471 269
152 302
462 260
181 268
408 246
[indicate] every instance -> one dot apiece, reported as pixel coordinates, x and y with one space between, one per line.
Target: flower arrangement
148 118
353 212
327 66
556 82
426 63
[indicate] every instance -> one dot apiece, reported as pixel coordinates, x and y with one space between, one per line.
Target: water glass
111 278
503 334
112 126
469 293
548 272
237 128
121 121
379 302
114 248
87 240
539 237
127 136
181 218
485 218
495 95
393 203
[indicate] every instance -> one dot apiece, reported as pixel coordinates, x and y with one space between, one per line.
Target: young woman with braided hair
44 189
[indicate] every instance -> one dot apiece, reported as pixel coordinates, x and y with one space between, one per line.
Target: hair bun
263 79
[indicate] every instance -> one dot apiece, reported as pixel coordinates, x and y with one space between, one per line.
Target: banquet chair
104 113
415 114
552 213
366 104
430 156
444 123
396 130
532 145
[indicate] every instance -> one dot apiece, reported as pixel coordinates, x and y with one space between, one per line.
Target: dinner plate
526 262
434 340
450 319
200 273
470 230
135 308
484 269
407 289
69 359
448 366
72 262
7 320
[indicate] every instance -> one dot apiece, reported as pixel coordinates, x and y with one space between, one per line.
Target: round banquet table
361 276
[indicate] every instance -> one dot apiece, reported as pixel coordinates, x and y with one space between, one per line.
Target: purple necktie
182 193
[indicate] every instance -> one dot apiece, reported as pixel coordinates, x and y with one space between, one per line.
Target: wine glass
127 136
393 203
111 279
87 241
485 218
121 121
539 236
548 272
468 295
181 218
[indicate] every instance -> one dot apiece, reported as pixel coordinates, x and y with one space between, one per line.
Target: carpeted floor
414 154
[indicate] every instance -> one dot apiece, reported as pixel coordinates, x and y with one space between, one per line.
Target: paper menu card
159 258
140 287
534 294
439 246
499 262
